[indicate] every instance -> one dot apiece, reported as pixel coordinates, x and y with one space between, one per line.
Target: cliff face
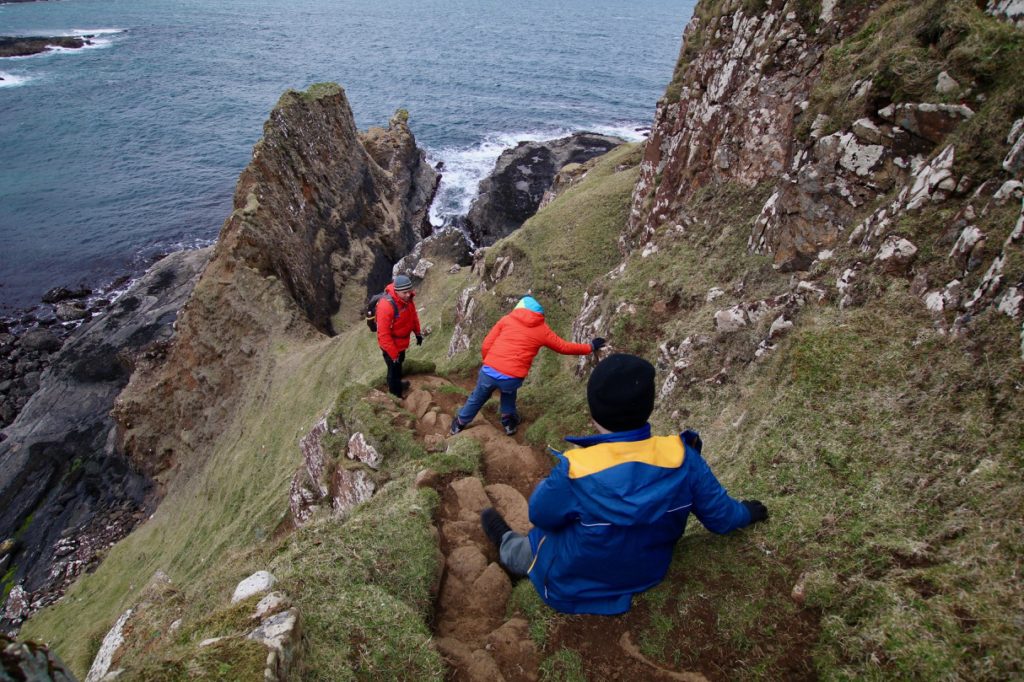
321 214
882 130
321 206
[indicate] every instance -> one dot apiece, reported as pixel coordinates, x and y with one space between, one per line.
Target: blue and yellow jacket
608 516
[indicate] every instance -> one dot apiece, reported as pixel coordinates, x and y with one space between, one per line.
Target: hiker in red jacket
508 351
396 321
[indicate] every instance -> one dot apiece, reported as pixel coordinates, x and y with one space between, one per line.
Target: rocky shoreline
29 339
68 493
25 46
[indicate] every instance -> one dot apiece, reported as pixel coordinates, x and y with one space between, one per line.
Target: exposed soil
478 639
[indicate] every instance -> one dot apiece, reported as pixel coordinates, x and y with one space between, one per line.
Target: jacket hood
527 317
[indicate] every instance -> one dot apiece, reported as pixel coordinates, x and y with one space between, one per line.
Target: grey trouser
515 553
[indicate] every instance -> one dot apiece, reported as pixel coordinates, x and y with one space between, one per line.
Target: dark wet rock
31 661
40 340
13 46
58 294
62 481
513 192
446 245
68 312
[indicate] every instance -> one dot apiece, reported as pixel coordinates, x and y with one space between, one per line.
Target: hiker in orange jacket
508 351
396 321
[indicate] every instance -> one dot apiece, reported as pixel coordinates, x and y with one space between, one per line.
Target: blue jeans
485 386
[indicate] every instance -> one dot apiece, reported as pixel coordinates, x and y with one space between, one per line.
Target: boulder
40 340
514 190
31 661
257 583
929 121
58 294
896 255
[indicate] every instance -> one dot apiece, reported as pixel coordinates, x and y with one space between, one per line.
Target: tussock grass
364 588
565 665
883 489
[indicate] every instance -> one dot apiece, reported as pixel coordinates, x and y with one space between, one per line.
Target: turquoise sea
130 148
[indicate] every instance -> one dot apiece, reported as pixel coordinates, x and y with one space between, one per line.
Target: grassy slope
215 521
889 455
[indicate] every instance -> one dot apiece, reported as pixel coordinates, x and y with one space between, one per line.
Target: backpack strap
394 305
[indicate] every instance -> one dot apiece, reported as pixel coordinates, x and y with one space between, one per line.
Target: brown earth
478 637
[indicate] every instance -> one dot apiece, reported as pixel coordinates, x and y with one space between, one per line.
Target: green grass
526 602
565 665
889 451
212 526
364 589
903 47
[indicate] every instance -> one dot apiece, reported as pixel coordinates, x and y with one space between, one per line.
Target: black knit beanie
621 392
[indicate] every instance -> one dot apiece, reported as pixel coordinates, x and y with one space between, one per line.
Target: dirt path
472 630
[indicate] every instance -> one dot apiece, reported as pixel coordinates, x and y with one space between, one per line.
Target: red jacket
393 331
514 341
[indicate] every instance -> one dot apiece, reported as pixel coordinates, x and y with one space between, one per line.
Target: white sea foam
465 167
11 80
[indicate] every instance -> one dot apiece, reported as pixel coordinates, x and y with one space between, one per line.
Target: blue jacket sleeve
711 502
552 504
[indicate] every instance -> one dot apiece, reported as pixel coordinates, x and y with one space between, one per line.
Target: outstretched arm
712 504
560 345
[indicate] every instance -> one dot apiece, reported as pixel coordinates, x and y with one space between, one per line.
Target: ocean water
130 148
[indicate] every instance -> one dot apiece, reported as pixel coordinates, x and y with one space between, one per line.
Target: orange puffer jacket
514 341
393 330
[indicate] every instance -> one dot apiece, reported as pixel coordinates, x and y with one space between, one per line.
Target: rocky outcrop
447 244
522 174
68 494
23 47
275 624
31 661
1011 11
321 215
732 109
856 170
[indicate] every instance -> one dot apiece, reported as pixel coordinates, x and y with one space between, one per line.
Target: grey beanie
402 283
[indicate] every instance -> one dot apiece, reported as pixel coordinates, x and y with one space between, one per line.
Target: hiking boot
511 424
457 426
494 526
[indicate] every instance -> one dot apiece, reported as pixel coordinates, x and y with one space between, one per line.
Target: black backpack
370 314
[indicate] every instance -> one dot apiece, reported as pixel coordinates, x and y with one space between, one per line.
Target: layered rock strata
321 214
